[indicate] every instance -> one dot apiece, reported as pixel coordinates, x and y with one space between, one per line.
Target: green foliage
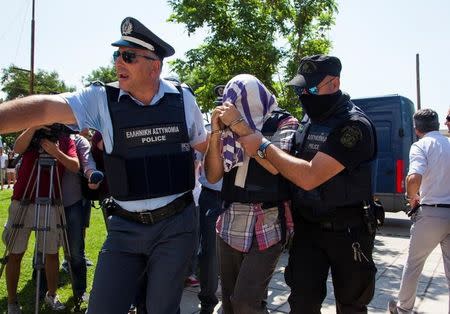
16 83
8 141
263 38
103 74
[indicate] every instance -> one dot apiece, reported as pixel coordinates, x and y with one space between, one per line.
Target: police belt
150 217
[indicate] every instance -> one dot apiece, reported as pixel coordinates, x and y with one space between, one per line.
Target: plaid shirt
240 222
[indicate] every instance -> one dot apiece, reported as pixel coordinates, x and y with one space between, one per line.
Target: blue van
393 119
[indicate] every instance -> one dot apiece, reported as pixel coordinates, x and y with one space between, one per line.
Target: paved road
390 252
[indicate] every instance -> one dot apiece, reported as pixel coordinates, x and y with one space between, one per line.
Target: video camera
52 133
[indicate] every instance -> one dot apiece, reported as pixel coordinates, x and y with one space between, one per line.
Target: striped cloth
255 103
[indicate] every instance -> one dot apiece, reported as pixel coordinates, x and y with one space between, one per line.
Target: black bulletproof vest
260 184
151 154
349 188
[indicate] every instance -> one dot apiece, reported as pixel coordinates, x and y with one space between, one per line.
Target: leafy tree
16 83
266 38
103 74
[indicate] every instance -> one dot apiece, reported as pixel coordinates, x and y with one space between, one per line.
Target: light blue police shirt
90 107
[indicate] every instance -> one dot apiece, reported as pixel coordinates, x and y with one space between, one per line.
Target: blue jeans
75 218
211 203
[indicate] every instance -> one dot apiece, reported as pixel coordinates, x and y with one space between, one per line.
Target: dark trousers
314 251
245 277
161 251
209 202
75 218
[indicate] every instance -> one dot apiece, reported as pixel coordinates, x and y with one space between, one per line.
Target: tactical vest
151 155
349 188
260 184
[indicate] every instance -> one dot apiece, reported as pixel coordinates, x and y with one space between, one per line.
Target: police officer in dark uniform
150 127
332 172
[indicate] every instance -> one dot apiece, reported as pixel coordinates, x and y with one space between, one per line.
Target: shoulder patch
350 136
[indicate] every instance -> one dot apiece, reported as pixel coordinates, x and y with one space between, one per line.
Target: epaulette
96 83
188 88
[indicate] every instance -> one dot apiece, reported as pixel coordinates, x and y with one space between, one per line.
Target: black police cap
136 35
313 69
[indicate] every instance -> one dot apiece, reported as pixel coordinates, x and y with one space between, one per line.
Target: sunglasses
312 90
448 118
129 56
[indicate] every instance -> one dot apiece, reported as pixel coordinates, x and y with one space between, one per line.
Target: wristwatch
262 149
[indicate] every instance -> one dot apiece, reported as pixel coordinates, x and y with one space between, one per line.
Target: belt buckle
146 218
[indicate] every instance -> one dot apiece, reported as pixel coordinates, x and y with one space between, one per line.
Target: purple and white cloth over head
255 103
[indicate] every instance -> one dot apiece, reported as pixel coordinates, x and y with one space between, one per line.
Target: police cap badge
136 35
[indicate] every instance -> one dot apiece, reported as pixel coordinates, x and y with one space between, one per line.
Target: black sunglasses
129 56
448 118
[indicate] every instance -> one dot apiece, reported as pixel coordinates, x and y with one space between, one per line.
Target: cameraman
65 153
77 216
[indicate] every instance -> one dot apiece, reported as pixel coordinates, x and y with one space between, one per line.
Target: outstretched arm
22 113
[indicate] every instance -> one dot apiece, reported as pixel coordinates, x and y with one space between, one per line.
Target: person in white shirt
427 191
3 160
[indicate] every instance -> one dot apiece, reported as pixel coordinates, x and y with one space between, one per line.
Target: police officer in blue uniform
150 127
333 221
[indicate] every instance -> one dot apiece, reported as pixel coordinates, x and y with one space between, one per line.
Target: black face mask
318 107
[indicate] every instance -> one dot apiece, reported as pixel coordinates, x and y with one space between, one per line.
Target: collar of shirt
432 134
164 87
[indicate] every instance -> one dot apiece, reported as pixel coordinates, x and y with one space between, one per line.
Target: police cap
313 69
136 35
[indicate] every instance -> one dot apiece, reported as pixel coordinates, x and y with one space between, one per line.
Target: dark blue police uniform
329 220
334 225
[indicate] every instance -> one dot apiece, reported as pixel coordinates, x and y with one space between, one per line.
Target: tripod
43 209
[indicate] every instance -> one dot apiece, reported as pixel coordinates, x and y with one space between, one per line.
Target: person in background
447 120
427 190
75 216
256 222
65 154
11 169
97 150
3 163
332 173
210 206
191 279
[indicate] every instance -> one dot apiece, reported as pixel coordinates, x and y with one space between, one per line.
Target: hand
95 179
216 124
229 113
50 147
251 143
414 201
